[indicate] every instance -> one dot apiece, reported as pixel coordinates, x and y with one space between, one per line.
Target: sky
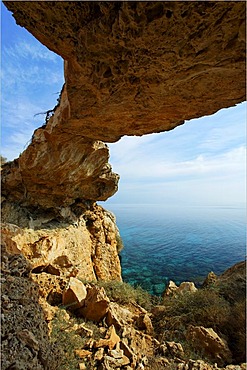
202 162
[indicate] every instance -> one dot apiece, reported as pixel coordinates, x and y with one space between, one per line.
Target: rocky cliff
131 68
84 245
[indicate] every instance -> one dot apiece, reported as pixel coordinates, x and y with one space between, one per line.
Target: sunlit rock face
59 168
134 68
84 246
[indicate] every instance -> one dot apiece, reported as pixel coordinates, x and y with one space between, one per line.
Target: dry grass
124 293
66 342
207 308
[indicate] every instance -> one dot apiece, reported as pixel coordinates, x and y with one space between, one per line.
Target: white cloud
201 161
23 49
31 76
140 165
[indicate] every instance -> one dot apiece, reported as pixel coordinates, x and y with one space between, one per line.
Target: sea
163 243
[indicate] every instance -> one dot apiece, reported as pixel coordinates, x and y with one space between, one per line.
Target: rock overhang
131 68
139 67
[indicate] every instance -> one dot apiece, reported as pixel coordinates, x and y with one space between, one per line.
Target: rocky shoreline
60 322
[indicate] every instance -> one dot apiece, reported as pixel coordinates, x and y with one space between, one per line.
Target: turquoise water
176 243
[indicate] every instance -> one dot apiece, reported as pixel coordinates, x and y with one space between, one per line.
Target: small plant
202 308
235 329
3 160
67 341
124 293
120 244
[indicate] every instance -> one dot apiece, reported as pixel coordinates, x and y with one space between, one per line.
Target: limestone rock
237 367
112 339
185 287
81 329
171 288
75 294
118 316
95 305
115 359
126 350
76 169
50 287
144 323
99 354
83 353
83 246
82 366
7 233
208 341
142 68
197 365
210 280
104 234
173 349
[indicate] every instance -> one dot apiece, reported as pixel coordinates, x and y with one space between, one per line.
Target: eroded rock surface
84 246
25 341
209 342
139 67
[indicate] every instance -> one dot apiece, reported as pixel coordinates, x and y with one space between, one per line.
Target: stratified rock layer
58 169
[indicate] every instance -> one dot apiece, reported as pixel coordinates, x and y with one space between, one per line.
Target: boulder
210 280
96 304
99 354
208 341
82 353
115 363
197 365
80 329
172 289
186 287
118 316
75 294
112 339
144 322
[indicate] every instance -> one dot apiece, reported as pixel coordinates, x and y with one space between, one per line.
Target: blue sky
202 162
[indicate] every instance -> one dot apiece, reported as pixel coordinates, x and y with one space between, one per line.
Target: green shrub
204 307
120 244
235 329
124 293
66 342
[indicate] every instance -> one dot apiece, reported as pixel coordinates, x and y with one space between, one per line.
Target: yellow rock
112 340
82 353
